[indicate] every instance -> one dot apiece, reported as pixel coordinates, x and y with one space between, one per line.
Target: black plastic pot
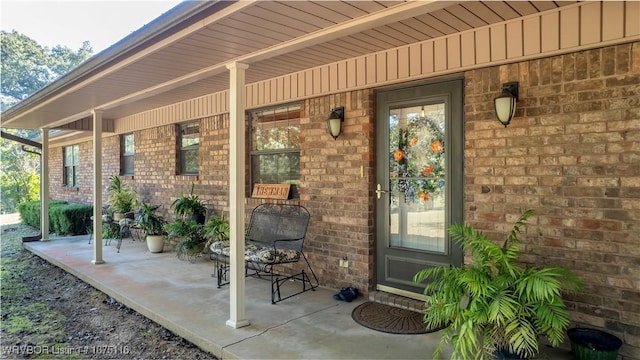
199 218
592 344
503 354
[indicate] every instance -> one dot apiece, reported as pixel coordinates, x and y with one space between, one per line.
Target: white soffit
274 37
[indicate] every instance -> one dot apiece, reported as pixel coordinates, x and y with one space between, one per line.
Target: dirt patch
49 314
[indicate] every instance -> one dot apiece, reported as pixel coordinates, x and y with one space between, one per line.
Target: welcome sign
271 191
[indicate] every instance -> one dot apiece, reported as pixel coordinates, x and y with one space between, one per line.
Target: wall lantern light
505 103
334 122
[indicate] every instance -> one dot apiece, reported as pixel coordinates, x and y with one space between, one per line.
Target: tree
26 68
19 177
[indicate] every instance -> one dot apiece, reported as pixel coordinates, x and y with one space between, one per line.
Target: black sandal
347 294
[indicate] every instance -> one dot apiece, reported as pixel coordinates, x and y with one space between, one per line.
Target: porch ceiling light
505 103
334 122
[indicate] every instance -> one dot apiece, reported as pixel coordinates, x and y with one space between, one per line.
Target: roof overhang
183 54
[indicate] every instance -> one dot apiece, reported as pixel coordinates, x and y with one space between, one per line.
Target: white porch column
97 187
44 185
236 194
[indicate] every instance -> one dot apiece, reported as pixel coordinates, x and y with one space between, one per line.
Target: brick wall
572 153
155 180
155 174
83 193
336 181
333 186
214 160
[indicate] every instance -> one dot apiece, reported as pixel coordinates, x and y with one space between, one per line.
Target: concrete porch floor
182 297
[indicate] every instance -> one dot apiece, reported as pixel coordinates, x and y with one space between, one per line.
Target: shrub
73 219
64 218
54 218
30 211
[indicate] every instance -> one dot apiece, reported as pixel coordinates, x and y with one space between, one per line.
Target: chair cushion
126 222
224 248
270 256
257 253
106 218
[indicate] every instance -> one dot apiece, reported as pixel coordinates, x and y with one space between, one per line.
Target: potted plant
153 225
177 230
188 235
216 229
190 206
494 304
121 198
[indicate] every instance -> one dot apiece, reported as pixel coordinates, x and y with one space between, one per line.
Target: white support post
97 187
44 186
236 194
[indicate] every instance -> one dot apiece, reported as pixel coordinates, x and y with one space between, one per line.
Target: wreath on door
419 161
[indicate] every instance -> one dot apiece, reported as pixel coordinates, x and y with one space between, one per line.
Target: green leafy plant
179 229
216 229
30 211
64 218
110 231
189 205
121 198
189 246
151 222
73 219
494 304
189 235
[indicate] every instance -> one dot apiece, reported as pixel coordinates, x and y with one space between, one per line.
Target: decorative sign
271 191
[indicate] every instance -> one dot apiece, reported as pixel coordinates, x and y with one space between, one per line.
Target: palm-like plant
121 197
494 304
216 229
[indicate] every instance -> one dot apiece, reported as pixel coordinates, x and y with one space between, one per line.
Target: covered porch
182 297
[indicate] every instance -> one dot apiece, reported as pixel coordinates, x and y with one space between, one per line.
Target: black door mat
390 319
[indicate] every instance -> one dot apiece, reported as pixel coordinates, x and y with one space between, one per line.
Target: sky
70 23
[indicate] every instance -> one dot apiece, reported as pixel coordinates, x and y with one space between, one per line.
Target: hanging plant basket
592 344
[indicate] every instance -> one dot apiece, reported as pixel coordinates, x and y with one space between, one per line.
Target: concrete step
396 300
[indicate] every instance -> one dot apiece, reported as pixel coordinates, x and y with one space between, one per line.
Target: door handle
379 191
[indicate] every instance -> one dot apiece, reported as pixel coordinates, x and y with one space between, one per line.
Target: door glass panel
417 177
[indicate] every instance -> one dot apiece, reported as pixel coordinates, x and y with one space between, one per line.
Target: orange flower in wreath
398 155
436 146
428 170
413 141
423 196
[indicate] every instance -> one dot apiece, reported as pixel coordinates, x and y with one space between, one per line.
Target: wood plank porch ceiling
261 25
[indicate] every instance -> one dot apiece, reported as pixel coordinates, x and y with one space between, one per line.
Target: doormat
390 319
